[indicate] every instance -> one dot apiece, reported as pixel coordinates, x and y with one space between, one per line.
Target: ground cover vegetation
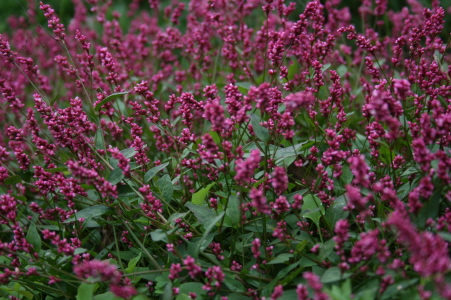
226 150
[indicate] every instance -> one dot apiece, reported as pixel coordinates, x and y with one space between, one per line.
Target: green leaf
346 176
100 144
202 213
199 197
158 235
288 151
105 296
115 176
90 212
336 211
292 70
57 96
243 87
86 291
288 295
233 210
288 279
343 293
54 170
326 249
208 225
430 209
410 171
176 216
132 264
341 70
192 287
282 273
108 99
166 188
312 208
34 238
152 172
397 287
13 179
282 258
233 284
129 153
261 132
167 295
333 274
325 67
445 235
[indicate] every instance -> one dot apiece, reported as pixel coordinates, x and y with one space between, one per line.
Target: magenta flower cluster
207 149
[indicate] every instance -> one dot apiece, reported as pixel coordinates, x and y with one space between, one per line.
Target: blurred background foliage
65 11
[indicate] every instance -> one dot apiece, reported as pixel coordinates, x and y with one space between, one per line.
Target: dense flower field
213 149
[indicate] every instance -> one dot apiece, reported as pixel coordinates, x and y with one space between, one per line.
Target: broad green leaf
108 99
34 238
337 293
243 87
202 213
410 171
90 212
158 235
132 264
445 235
183 297
208 225
116 176
312 208
288 295
165 186
129 153
325 67
292 70
13 179
369 290
290 277
152 172
176 216
333 274
19 289
192 287
215 136
346 176
233 210
261 132
430 209
336 212
282 273
233 284
86 291
105 296
288 151
100 144
341 70
199 244
199 197
397 287
326 249
167 295
280 259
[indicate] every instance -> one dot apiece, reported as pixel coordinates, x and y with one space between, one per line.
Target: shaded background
65 10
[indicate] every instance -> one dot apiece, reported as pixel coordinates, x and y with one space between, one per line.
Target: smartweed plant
213 149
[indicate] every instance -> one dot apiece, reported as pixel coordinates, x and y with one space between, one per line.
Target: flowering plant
226 150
